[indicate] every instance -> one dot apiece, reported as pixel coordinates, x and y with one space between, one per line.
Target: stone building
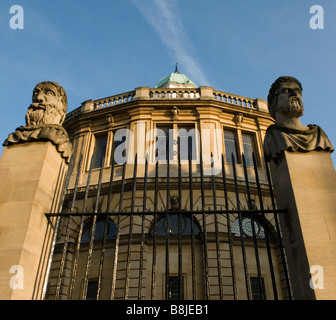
167 196
157 123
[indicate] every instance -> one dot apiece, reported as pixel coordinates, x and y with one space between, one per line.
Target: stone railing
146 93
234 99
113 100
174 93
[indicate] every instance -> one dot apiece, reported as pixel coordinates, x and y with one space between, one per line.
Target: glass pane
99 232
249 148
173 226
92 290
230 141
174 288
246 225
99 150
164 143
116 144
255 288
187 141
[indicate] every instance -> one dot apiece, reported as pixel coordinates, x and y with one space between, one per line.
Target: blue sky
98 48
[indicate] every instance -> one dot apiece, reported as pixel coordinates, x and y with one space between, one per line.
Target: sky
99 48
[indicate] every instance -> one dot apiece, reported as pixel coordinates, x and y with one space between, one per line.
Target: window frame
236 135
177 295
113 145
110 234
175 127
240 145
258 295
95 140
186 225
254 147
90 282
110 145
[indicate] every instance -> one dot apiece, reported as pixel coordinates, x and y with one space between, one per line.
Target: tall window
119 146
257 294
99 150
164 143
92 290
174 288
230 140
249 148
187 142
169 137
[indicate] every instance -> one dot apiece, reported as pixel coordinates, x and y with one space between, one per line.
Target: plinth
305 185
29 174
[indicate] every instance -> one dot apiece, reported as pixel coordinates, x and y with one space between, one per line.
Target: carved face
47 106
289 99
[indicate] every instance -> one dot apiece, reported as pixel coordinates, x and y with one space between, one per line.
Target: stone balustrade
234 99
146 93
113 100
174 93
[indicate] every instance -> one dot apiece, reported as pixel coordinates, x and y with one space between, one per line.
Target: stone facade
210 112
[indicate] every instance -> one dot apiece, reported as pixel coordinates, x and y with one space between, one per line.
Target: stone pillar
141 93
206 92
305 185
28 176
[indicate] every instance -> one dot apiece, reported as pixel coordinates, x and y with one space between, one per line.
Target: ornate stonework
286 107
44 119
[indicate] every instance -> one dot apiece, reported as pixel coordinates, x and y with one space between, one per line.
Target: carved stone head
174 202
285 97
49 104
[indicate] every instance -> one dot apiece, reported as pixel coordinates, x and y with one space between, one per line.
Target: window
99 150
173 226
118 153
187 142
237 143
168 138
249 148
164 143
255 288
92 290
246 226
111 231
230 141
174 288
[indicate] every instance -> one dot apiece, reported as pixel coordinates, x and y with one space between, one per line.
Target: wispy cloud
163 16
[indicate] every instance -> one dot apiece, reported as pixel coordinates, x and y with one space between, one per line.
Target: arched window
173 226
111 231
246 225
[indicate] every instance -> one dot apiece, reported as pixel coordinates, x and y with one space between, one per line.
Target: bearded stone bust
288 133
49 104
44 119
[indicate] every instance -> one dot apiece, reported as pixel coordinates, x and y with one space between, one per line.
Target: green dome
176 78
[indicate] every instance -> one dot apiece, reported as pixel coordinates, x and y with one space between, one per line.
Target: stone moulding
54 133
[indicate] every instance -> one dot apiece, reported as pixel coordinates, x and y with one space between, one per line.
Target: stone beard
39 115
285 106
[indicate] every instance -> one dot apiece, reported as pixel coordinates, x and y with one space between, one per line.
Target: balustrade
168 93
113 100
